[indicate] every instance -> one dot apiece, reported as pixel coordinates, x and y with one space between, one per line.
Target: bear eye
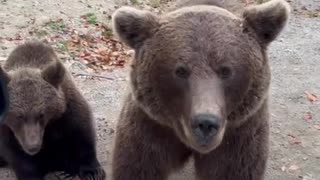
40 116
20 117
224 72
182 71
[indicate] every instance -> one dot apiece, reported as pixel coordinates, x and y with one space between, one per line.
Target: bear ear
54 73
134 26
4 76
268 19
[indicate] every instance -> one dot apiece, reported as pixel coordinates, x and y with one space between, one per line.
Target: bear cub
49 125
199 88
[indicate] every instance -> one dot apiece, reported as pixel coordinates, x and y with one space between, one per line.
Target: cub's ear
134 26
267 19
4 76
54 73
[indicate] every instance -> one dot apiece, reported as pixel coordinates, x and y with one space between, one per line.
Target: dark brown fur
197 61
49 126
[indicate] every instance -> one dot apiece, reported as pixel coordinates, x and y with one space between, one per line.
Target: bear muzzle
32 138
205 127
32 149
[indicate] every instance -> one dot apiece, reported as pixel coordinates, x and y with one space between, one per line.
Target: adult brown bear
200 80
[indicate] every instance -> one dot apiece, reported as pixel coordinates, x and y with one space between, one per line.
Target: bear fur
199 88
49 126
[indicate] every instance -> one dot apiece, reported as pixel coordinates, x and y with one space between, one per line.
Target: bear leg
3 163
80 159
25 169
145 150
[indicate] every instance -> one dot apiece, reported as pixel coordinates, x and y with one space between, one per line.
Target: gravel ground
295 121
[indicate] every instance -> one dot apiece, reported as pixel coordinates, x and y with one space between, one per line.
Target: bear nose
206 125
32 150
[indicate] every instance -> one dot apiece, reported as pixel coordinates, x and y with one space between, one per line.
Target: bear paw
93 174
60 176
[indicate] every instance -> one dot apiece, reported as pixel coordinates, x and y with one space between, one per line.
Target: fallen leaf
311 97
248 2
84 43
115 53
294 167
120 63
88 58
291 135
308 116
18 37
82 54
9 39
293 139
317 127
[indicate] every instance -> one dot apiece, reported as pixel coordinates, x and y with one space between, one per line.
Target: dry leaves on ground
294 139
293 168
308 116
311 97
99 53
92 43
317 127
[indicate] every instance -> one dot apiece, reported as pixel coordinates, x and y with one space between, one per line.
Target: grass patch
107 32
58 25
62 46
155 3
313 14
135 2
91 18
261 1
41 33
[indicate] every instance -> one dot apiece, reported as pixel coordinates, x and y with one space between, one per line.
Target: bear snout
32 150
205 127
32 138
32 145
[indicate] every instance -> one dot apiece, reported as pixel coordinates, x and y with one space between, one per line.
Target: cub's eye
224 72
20 117
182 71
40 116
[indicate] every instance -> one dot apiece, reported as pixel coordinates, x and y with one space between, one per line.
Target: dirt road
294 58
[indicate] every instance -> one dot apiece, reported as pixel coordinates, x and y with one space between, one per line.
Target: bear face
35 98
201 69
